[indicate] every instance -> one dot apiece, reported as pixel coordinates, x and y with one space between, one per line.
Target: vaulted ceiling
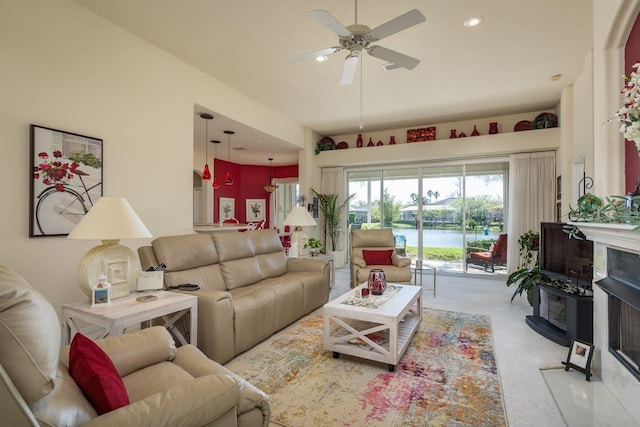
503 66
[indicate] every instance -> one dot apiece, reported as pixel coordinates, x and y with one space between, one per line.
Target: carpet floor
447 377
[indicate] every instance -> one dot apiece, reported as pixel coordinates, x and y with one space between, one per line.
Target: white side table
123 312
329 259
418 269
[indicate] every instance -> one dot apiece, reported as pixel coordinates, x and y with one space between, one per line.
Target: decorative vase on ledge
493 128
453 134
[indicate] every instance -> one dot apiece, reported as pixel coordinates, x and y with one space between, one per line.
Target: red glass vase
493 128
453 134
377 282
359 141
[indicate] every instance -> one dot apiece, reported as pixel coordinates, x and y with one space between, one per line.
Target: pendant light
215 184
206 174
270 187
228 179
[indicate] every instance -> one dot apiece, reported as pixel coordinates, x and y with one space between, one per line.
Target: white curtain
532 195
273 201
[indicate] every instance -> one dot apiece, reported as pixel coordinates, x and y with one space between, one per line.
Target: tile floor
536 389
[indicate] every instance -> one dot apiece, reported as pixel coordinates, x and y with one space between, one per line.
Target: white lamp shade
299 217
111 218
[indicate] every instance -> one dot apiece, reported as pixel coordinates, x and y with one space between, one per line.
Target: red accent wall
631 156
248 183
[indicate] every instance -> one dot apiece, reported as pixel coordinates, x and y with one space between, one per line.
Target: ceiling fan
357 37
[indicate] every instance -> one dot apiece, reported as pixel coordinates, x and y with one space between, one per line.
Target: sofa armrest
358 261
197 402
305 264
399 261
195 363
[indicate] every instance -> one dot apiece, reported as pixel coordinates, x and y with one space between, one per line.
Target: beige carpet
447 377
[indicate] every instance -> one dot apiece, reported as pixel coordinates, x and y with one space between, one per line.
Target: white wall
65 68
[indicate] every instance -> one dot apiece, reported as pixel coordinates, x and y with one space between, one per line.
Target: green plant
528 272
313 243
332 211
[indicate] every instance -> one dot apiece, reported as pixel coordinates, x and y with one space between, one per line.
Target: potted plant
528 272
332 213
314 245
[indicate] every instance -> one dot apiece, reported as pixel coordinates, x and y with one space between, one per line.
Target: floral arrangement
55 172
629 114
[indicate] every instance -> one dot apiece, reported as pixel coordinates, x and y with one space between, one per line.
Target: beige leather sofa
167 386
376 239
249 289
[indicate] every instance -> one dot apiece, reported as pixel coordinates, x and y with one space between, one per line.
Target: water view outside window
438 210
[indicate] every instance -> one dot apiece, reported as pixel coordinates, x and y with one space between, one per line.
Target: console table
113 319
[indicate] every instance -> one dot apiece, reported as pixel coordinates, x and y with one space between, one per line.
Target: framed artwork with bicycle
66 180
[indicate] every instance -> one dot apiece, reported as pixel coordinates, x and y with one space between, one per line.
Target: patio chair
401 244
496 255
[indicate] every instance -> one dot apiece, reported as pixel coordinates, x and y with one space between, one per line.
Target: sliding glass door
435 211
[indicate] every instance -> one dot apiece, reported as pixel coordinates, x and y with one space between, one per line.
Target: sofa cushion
377 257
30 336
185 252
93 371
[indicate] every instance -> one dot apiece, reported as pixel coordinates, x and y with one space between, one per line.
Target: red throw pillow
382 257
95 374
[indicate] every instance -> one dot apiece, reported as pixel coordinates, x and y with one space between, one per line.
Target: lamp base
300 237
116 262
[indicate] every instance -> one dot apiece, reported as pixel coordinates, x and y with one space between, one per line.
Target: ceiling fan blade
396 58
349 68
402 22
330 22
315 54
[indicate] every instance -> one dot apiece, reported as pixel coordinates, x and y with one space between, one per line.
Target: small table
421 267
113 319
397 320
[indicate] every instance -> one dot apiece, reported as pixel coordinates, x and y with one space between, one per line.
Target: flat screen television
565 259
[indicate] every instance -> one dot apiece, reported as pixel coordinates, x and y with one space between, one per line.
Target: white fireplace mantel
620 382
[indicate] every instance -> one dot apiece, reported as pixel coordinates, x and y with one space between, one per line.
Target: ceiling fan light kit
357 37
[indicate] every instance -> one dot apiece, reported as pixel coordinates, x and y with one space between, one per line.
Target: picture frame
579 357
66 179
100 296
226 208
256 210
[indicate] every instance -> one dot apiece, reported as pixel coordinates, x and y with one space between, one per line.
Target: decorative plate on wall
342 145
522 125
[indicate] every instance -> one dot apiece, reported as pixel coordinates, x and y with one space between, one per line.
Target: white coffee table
397 320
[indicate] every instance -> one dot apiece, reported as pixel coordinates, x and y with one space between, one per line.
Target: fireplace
616 310
622 286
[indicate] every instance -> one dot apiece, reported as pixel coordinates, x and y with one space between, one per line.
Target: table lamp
298 217
109 220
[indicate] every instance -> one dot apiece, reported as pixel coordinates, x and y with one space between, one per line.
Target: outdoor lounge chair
497 255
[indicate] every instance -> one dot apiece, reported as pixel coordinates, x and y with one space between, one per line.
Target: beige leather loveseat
397 269
249 289
166 386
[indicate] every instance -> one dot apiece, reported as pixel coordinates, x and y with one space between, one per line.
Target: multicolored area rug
447 377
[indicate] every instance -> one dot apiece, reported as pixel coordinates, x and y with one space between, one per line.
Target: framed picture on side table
579 357
255 210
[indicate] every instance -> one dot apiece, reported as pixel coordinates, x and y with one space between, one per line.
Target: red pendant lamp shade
206 174
228 179
215 184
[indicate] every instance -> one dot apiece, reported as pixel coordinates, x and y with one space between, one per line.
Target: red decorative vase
370 144
462 135
453 134
392 141
359 141
493 128
377 283
475 131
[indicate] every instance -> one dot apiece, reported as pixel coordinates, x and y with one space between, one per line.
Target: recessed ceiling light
321 58
473 21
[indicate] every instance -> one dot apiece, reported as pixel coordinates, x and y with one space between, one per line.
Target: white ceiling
504 66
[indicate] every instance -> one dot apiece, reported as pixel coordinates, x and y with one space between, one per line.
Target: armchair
371 244
496 255
165 385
